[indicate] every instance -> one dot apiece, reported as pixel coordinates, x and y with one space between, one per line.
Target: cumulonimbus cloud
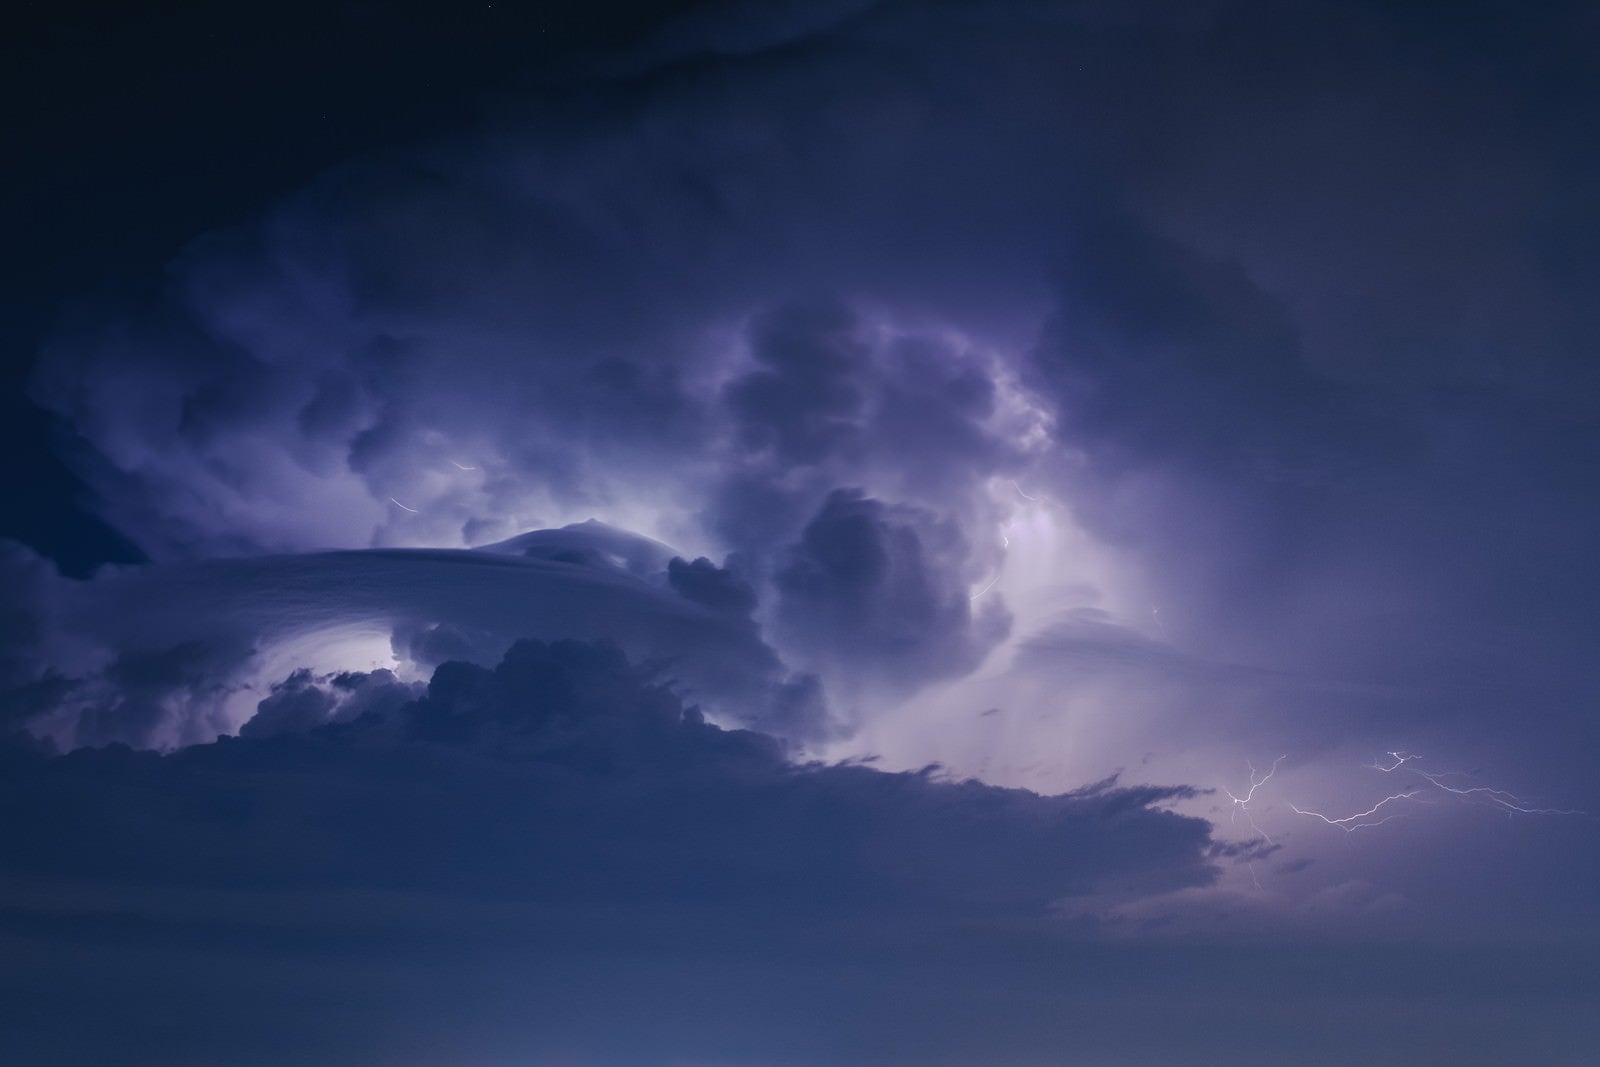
1057 243
175 654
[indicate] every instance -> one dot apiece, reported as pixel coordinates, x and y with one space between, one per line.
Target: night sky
800 532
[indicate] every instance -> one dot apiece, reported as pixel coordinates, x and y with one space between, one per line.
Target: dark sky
137 127
788 533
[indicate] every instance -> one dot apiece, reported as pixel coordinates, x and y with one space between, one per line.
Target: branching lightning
1351 823
1510 803
1241 804
1400 760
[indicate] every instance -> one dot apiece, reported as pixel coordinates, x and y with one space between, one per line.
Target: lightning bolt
1005 542
1400 760
1020 493
397 504
1241 804
1350 824
1508 802
463 466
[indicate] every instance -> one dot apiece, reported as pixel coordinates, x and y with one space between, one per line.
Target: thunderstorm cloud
743 533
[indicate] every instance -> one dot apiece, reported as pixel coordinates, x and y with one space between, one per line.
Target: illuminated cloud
1040 389
177 654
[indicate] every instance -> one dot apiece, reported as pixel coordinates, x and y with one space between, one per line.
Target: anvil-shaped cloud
169 655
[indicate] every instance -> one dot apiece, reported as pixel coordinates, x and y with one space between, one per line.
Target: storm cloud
873 309
176 654
765 466
571 747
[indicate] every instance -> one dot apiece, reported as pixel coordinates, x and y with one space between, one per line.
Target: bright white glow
1038 733
361 646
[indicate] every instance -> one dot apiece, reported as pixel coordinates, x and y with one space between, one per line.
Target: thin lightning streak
397 504
1400 760
1241 803
1020 493
463 466
985 589
1509 801
1349 824
1005 542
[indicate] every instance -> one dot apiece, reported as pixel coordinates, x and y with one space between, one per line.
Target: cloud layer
1039 388
579 777
163 656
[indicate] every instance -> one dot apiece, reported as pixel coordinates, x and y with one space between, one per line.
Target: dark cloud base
555 861
566 773
565 800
